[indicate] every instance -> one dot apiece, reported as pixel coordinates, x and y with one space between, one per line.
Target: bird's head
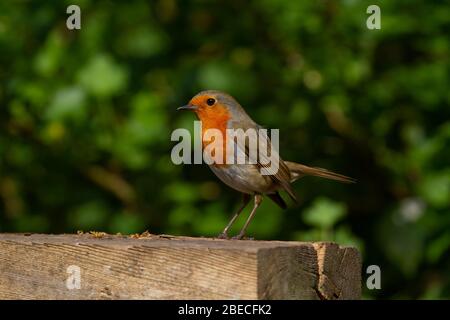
213 106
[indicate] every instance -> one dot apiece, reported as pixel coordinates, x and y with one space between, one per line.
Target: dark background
86 117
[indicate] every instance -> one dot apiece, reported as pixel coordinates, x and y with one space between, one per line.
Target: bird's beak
187 107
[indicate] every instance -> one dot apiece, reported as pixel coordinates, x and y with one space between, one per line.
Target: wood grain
165 267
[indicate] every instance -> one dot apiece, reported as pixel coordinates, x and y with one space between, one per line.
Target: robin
220 111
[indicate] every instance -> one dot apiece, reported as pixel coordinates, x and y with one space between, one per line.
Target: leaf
181 192
68 103
435 189
102 77
324 213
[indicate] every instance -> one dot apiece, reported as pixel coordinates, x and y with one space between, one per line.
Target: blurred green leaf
103 77
436 189
68 103
181 192
324 213
50 57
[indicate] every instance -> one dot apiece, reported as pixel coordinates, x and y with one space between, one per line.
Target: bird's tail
299 170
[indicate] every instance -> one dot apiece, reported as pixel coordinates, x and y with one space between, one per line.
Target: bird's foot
223 235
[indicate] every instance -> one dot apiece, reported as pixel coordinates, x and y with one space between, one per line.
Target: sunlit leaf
324 213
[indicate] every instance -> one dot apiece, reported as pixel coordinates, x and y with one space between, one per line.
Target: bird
219 110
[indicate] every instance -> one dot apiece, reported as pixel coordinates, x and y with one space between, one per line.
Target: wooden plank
41 266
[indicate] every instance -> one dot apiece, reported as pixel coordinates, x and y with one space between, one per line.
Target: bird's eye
210 102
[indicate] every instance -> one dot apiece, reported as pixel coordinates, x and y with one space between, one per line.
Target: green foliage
324 213
102 77
86 117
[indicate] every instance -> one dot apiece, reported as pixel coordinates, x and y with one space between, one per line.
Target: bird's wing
266 153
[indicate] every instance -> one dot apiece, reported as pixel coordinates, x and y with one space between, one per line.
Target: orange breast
214 118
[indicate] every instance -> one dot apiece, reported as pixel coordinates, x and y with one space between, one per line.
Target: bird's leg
258 200
245 201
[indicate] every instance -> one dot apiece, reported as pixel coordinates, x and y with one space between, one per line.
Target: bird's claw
223 235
